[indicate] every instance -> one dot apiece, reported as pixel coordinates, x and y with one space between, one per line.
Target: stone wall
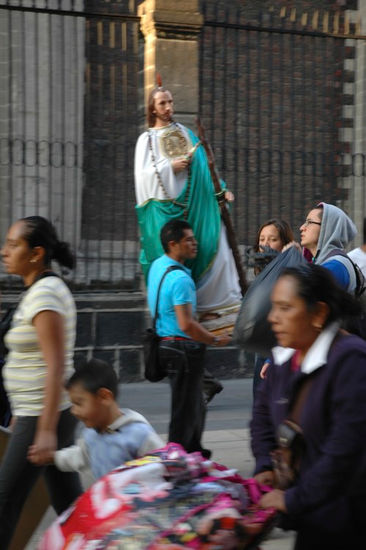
110 327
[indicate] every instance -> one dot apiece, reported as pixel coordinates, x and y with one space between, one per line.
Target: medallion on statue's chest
174 143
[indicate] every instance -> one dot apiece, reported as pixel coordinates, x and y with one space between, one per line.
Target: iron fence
277 94
277 98
70 75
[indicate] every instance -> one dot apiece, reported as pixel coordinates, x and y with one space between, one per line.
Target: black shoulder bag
154 372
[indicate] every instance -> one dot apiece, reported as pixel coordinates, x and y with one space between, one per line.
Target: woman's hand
180 164
290 245
12 423
223 340
43 448
264 369
265 478
274 499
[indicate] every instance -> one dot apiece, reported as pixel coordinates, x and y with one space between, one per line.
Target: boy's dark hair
173 230
94 375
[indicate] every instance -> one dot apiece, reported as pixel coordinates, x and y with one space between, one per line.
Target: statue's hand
229 196
180 164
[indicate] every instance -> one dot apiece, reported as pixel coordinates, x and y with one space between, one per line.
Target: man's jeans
183 362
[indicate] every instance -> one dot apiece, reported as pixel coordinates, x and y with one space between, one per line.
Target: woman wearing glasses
324 236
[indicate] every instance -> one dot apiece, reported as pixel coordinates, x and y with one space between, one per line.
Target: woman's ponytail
63 254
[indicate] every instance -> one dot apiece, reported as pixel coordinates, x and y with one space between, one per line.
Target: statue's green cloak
203 216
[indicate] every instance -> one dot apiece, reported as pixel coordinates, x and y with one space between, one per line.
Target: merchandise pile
170 500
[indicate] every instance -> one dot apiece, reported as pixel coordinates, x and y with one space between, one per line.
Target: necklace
184 204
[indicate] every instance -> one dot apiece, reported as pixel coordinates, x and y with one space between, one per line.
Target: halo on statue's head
150 115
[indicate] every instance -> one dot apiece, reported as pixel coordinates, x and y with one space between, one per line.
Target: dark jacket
330 494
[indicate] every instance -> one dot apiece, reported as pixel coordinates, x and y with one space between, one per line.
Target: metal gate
67 102
278 97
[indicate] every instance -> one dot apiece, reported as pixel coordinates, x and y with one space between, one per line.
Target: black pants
183 362
18 475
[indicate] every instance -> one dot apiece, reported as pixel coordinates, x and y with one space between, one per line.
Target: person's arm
195 330
263 372
151 442
331 474
50 330
72 459
263 437
339 272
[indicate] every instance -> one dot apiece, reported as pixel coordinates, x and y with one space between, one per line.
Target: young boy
112 436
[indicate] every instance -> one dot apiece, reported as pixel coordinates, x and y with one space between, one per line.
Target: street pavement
226 433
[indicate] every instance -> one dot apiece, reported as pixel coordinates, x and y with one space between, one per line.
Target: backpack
355 275
356 325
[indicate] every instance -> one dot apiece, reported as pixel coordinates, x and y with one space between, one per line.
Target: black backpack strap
169 269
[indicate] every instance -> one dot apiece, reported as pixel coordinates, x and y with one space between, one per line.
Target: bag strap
357 280
300 399
169 269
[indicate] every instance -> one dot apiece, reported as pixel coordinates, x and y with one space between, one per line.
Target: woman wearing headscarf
325 234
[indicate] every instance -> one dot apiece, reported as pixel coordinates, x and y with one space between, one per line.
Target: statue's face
163 108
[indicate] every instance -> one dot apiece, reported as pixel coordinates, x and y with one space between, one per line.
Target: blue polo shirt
177 289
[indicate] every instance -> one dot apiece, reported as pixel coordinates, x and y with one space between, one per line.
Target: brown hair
284 230
150 115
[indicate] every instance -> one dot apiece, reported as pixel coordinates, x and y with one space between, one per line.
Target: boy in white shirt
111 435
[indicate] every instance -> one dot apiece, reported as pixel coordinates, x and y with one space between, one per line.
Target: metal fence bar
64 12
283 30
46 154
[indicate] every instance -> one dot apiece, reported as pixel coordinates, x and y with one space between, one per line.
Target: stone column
171 32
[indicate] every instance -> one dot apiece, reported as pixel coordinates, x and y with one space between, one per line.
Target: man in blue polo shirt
183 339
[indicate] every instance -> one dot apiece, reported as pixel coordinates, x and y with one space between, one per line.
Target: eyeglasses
309 222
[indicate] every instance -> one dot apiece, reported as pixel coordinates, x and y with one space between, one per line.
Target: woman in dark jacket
326 503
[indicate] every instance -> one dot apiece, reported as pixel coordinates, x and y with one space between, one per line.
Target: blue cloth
109 450
332 478
177 289
339 272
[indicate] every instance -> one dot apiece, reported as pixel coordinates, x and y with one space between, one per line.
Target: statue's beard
165 118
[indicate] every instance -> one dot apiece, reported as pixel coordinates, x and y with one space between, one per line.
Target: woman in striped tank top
41 345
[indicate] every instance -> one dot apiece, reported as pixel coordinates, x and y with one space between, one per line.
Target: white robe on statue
218 289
